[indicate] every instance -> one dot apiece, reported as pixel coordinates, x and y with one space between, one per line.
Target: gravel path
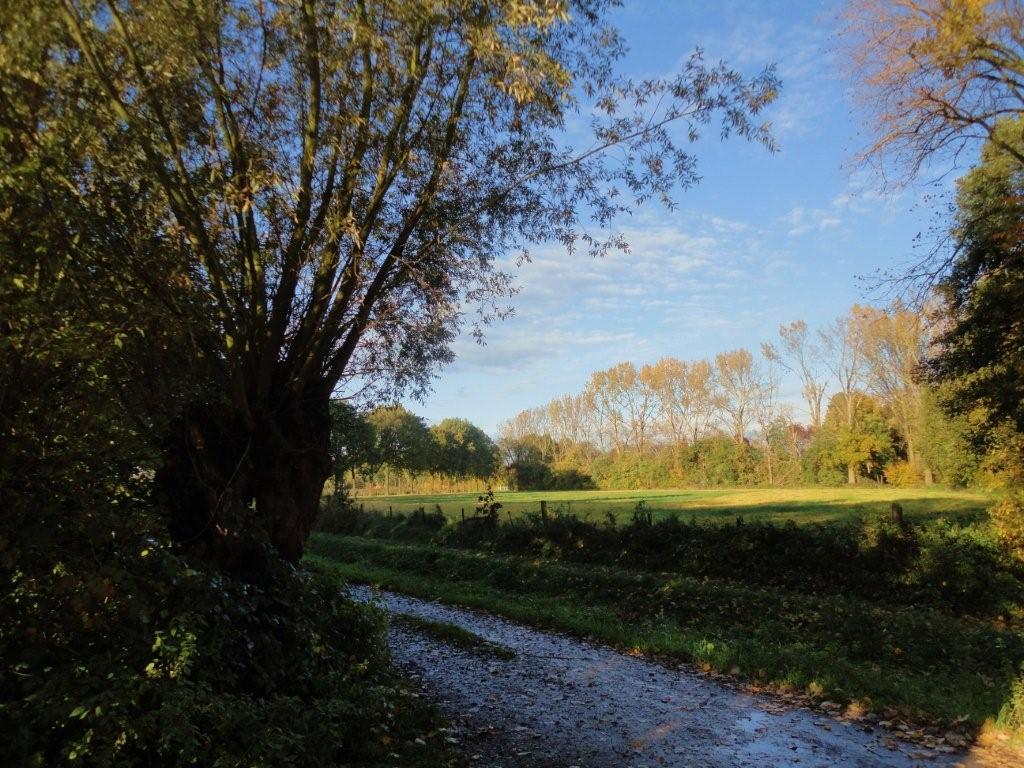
563 702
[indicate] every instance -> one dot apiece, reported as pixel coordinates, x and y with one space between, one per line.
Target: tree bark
851 474
293 462
227 479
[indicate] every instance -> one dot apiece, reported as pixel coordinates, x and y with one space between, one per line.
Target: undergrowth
948 566
117 651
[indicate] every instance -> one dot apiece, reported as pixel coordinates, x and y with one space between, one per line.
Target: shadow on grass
959 510
699 503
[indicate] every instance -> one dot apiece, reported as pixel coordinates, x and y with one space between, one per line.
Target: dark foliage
982 354
957 568
146 660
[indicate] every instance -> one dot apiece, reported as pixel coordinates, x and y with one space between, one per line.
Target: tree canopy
982 352
936 76
324 189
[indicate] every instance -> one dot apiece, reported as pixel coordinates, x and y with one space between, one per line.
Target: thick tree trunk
851 474
293 463
230 484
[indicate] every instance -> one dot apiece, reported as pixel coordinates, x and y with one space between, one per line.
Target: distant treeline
869 415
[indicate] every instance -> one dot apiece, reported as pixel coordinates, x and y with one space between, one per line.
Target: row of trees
390 444
865 401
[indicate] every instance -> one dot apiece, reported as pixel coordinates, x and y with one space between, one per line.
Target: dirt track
563 702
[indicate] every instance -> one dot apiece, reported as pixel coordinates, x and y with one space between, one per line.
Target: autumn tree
624 405
353 441
461 449
843 345
979 361
401 441
686 397
980 352
333 184
801 355
771 417
743 389
936 76
862 444
526 461
569 423
895 342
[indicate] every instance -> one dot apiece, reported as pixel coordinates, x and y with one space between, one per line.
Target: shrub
117 651
339 515
902 474
959 567
1008 523
1012 713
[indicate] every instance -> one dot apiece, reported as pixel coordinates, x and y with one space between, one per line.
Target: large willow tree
333 184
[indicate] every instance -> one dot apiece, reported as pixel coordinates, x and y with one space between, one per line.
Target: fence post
896 514
389 510
544 511
463 514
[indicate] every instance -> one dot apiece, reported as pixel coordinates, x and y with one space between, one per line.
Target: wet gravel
564 702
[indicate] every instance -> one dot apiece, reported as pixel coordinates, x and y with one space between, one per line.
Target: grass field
803 505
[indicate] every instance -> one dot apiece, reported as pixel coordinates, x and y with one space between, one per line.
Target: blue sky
762 240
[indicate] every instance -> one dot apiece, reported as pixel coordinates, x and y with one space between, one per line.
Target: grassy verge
453 634
926 664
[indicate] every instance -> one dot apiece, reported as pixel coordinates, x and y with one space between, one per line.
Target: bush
569 480
1012 714
339 515
959 567
132 656
902 474
1008 523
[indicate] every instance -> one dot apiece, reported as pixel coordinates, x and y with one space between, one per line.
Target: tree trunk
292 465
851 474
227 480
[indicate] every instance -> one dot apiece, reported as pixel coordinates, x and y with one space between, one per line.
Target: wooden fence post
544 511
